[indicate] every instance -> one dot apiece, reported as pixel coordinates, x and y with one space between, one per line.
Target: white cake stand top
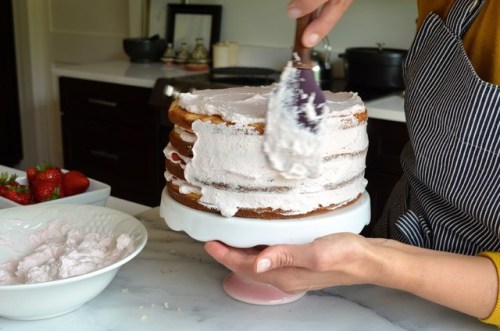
246 232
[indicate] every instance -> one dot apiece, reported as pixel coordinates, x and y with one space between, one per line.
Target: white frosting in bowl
71 254
90 235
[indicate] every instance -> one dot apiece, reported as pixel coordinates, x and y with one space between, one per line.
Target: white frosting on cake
244 105
230 170
185 136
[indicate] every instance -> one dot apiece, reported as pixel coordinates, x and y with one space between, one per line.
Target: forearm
465 283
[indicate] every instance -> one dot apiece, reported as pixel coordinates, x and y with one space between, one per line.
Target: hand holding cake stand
246 233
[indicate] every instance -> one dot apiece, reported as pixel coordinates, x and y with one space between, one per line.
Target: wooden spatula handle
303 52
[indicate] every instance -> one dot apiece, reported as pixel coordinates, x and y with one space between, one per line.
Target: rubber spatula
307 86
292 139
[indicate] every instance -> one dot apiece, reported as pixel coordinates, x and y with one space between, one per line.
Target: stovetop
216 78
230 76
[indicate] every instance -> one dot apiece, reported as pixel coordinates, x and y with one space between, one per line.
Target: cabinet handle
103 102
104 154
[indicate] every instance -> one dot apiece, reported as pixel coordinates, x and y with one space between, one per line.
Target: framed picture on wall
186 23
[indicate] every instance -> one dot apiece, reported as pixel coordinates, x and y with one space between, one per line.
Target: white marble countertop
390 108
174 285
122 72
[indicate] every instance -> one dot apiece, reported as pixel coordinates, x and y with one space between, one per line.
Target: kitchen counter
122 72
390 108
173 284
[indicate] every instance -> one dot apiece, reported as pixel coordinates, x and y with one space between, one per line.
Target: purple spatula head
310 100
300 94
293 136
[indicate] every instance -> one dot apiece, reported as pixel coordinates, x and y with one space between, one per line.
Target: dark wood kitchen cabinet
11 149
112 134
383 167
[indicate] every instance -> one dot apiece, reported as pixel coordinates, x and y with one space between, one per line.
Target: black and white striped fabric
449 198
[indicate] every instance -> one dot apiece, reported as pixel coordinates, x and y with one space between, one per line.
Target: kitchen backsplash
266 41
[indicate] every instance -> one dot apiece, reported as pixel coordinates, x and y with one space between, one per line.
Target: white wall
72 31
88 31
263 24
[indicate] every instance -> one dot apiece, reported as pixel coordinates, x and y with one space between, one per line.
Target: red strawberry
45 181
14 184
177 158
31 174
3 190
20 194
46 190
75 182
51 174
45 171
5 180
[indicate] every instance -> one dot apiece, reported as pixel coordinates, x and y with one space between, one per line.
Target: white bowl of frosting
55 258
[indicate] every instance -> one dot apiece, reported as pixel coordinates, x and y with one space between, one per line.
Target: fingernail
263 265
312 39
294 12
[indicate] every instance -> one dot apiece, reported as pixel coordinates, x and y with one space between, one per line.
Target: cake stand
246 233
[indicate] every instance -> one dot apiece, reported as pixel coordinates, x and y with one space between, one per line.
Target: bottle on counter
200 53
169 55
199 58
183 54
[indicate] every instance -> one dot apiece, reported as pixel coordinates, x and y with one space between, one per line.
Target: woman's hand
465 283
340 259
329 15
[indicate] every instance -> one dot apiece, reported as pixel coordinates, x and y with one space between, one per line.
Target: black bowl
144 50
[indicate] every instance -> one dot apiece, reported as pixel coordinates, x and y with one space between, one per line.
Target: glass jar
200 53
169 55
170 52
182 54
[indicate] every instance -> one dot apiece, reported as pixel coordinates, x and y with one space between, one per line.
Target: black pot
144 50
377 69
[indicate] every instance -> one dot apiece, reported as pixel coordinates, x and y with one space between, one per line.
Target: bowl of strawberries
46 183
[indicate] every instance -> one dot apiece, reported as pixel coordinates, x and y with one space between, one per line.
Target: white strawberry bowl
97 194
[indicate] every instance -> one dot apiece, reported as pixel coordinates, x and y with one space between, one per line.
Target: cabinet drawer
379 187
387 139
115 103
128 159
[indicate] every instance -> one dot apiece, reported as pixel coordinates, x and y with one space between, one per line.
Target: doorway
11 151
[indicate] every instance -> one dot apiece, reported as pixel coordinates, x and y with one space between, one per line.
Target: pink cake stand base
250 291
245 233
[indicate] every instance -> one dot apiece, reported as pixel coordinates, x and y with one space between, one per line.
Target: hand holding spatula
307 89
292 140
